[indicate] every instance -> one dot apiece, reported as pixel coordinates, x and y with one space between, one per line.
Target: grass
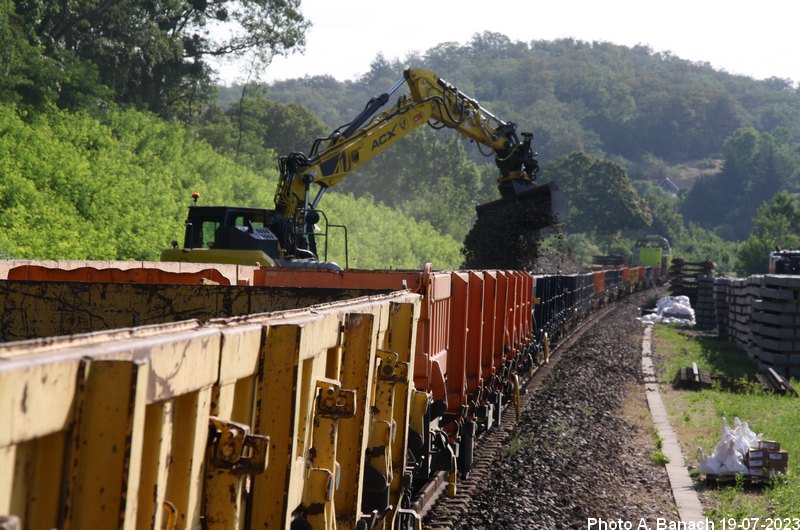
711 354
696 417
658 456
516 443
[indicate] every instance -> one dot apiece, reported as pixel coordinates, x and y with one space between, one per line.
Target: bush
73 187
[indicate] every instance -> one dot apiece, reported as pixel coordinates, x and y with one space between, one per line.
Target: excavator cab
241 236
225 234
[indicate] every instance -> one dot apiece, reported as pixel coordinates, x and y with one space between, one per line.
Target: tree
757 165
256 130
382 73
776 224
29 78
12 47
155 53
285 128
664 207
698 244
709 202
602 198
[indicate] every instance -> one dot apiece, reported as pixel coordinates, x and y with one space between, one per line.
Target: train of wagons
166 395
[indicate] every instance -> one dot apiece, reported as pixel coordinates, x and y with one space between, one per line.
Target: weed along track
582 448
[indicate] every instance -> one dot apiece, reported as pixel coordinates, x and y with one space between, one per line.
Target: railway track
440 510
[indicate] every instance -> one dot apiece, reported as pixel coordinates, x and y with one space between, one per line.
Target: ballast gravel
577 454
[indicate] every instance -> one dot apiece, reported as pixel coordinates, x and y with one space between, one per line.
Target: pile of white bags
671 309
729 454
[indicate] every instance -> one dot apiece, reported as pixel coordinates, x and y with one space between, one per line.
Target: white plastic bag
745 438
671 309
733 460
708 465
729 454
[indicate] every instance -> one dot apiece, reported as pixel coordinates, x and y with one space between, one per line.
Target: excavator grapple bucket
537 206
506 231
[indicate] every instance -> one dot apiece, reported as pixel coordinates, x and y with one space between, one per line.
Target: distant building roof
668 185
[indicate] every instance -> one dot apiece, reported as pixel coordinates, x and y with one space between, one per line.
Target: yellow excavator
287 236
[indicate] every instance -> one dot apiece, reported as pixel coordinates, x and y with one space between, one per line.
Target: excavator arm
456 110
285 236
431 100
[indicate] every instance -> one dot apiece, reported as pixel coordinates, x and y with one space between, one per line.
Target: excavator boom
304 178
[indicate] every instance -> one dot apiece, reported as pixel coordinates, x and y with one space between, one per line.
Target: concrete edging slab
689 507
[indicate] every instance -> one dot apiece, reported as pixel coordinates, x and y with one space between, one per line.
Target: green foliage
602 198
154 54
580 247
73 187
12 49
284 128
658 457
652 169
713 355
381 237
256 130
31 78
621 246
665 209
698 244
428 176
580 96
773 415
776 224
76 188
757 166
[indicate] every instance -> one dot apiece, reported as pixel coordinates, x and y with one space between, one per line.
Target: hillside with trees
111 118
88 170
729 142
118 187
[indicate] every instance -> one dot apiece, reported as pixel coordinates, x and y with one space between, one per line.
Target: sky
756 39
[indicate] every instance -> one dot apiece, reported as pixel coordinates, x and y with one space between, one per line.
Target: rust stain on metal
155 501
123 501
332 433
24 402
